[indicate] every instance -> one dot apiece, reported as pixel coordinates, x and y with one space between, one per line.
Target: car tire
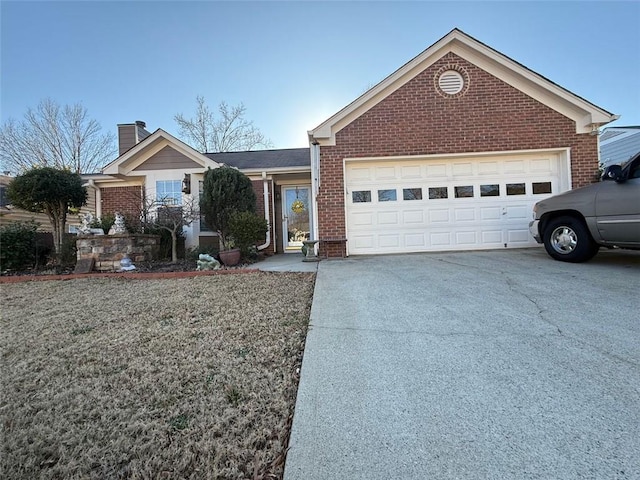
567 239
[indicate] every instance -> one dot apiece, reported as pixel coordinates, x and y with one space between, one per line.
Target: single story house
449 152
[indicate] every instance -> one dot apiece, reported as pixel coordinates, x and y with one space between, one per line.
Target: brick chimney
130 134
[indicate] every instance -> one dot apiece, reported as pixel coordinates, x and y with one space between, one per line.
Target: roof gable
166 159
587 116
153 149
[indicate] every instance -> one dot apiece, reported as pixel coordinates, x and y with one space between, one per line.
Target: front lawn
175 378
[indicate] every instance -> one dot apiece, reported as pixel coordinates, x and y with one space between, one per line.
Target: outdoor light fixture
186 184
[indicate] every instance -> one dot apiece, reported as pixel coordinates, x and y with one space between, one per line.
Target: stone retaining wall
108 250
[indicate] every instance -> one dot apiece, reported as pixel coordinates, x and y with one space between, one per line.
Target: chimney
130 134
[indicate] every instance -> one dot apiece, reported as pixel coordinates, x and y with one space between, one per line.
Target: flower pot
230 257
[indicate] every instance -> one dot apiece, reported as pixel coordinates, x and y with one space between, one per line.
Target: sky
292 64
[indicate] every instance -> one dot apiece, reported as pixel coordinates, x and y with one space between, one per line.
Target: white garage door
416 205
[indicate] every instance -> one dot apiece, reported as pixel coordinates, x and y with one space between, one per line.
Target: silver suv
573 225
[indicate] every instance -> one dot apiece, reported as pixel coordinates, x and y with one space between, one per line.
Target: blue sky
293 64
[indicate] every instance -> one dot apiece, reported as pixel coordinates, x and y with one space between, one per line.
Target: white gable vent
451 82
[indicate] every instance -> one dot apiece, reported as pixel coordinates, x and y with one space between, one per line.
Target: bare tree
229 131
54 136
166 215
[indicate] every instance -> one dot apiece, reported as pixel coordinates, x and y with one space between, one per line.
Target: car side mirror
613 172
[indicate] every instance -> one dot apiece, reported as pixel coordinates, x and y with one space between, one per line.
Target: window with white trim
169 192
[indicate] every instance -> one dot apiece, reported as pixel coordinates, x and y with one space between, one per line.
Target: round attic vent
451 82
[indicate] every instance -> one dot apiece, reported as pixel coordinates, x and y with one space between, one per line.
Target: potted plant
226 191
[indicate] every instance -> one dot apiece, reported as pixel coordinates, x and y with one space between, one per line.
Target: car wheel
567 239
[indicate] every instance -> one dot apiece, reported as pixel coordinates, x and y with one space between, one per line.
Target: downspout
265 189
315 184
98 196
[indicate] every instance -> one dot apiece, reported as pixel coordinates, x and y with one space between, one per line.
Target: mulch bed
149 270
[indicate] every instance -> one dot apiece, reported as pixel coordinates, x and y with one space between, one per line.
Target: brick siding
125 200
417 120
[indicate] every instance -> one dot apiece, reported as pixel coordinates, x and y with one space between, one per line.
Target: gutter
265 189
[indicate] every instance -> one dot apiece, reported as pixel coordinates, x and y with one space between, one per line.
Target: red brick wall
417 120
126 200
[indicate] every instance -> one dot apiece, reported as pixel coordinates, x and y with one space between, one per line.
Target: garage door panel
416 240
464 214
360 173
440 239
439 215
435 171
385 173
446 204
362 218
518 236
518 212
413 216
490 213
514 166
362 242
411 172
466 238
387 218
541 165
389 241
490 237
488 168
462 169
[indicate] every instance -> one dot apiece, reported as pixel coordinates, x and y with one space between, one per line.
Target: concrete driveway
500 364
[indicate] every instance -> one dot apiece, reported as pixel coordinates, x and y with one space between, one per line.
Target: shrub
247 229
105 223
225 192
18 246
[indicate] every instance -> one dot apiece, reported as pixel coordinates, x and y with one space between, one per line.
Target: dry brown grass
181 378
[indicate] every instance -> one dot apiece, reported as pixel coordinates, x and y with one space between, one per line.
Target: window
361 196
437 192
412 194
515 189
490 190
541 187
387 196
169 192
465 191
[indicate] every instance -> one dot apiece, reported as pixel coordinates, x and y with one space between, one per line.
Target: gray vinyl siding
620 150
168 159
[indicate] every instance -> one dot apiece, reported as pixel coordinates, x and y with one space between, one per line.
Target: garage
449 152
448 202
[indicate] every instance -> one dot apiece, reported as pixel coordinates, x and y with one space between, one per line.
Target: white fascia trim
437 156
586 115
150 146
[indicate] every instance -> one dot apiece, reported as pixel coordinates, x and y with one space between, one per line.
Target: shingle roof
288 157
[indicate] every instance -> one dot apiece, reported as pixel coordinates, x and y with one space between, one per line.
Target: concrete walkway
285 262
502 364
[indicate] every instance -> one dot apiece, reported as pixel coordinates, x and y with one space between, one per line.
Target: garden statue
207 262
118 227
126 265
85 228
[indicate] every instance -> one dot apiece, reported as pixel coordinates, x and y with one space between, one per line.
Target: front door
296 213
